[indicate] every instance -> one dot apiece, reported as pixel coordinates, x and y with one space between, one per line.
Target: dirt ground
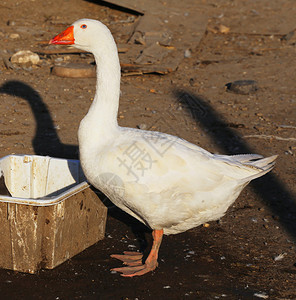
249 253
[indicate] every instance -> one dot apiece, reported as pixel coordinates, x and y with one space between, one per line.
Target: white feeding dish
40 180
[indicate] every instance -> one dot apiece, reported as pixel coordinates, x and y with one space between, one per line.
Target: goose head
85 34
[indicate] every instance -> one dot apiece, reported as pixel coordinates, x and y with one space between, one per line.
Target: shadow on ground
46 140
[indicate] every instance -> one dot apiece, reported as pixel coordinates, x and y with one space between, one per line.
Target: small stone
259 128
243 87
224 29
140 40
67 57
14 36
187 53
28 69
25 56
142 126
10 23
254 12
288 36
279 257
262 295
192 82
59 59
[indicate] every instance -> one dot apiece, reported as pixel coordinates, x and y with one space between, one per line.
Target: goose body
165 182
182 188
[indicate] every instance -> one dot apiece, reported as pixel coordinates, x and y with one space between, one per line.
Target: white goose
165 182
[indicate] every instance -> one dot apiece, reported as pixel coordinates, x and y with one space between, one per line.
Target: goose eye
83 26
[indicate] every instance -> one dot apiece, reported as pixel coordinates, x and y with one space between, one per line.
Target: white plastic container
40 180
51 215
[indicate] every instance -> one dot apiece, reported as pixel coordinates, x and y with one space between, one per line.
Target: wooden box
51 215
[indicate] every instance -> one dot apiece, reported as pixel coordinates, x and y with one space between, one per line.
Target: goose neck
104 108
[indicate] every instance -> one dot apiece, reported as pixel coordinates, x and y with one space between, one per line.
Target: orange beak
64 38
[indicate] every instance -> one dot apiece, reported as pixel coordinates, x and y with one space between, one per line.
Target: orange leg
134 259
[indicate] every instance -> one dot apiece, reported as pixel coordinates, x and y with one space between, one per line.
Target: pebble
14 36
224 29
242 87
25 56
67 57
10 23
288 152
279 257
288 36
140 40
254 12
187 53
193 82
142 126
59 59
261 295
